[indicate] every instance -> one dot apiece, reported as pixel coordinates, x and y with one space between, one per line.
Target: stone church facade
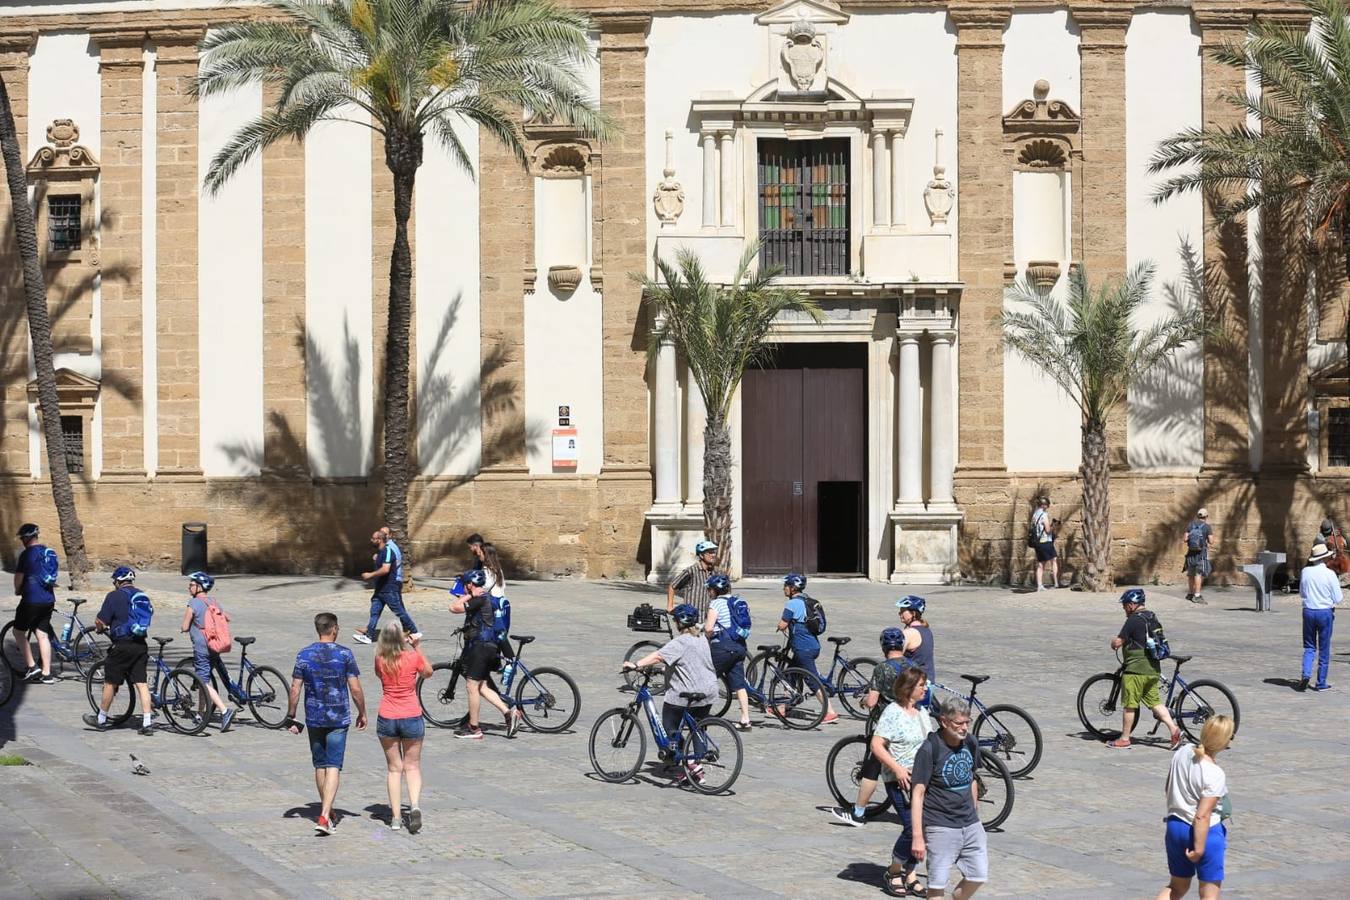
219 356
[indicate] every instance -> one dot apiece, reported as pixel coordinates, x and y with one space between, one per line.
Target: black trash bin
194 547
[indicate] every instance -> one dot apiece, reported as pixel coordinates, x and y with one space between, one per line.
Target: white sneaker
360 637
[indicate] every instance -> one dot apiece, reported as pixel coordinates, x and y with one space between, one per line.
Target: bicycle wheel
754 668
852 684
715 747
994 799
548 699
723 701
644 648
797 698
13 655
1200 700
124 696
268 696
178 696
445 702
618 745
843 773
1011 734
1099 705
89 649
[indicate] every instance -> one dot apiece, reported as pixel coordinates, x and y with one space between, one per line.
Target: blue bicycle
263 689
708 751
78 644
172 691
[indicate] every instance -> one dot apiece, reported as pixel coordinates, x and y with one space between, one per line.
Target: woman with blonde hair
399 724
1197 803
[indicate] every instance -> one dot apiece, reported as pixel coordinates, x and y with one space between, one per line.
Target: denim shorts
328 747
409 729
1181 837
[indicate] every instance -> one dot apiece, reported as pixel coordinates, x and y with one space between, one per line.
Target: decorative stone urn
1043 274
564 279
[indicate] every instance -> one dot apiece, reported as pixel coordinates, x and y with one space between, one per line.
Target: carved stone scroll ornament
939 196
63 153
802 54
668 199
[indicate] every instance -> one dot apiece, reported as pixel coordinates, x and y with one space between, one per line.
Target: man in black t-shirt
947 826
129 655
481 655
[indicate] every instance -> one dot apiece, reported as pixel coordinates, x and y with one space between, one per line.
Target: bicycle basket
644 618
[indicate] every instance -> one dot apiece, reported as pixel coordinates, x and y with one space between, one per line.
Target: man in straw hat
1320 590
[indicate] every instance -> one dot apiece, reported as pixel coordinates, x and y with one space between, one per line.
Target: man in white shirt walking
1320 589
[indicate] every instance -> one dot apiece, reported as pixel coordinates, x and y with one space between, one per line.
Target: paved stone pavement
230 815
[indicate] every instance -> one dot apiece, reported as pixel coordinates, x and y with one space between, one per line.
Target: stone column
727 141
179 378
1226 374
666 426
909 421
285 393
984 198
943 456
696 418
121 69
898 216
709 179
14 49
880 198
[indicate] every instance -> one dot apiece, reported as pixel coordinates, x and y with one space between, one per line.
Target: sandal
743 726
894 885
915 888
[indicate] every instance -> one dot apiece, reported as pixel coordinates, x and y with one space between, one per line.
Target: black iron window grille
1338 437
63 224
72 429
804 206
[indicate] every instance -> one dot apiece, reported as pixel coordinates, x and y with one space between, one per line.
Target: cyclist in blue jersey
481 655
805 646
387 580
36 603
728 649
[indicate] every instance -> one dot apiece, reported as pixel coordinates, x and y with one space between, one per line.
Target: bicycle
174 691
853 681
843 775
795 696
265 692
709 749
1007 731
78 644
547 697
647 618
1098 701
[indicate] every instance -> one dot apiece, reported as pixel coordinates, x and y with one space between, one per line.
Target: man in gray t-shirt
1198 540
946 824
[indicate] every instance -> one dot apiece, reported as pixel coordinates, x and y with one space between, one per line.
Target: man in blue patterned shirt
327 672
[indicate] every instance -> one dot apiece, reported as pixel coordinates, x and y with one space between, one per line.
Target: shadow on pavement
1291 683
873 874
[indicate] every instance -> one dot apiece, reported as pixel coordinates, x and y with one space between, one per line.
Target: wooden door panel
835 444
771 469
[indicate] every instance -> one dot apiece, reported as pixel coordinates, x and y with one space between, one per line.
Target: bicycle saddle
1178 659
841 641
693 697
76 601
769 648
976 679
163 641
523 638
244 641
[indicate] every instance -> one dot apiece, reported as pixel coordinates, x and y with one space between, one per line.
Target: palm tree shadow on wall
1012 561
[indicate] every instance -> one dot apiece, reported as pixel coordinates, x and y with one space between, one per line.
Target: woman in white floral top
895 741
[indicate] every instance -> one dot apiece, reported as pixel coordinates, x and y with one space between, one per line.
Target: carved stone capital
177 44
112 37
623 32
17 42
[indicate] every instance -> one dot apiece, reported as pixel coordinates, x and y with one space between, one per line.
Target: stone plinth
925 546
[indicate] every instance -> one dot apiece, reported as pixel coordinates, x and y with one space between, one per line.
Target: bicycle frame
1167 687
667 743
839 659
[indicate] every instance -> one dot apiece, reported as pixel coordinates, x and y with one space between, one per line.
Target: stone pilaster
285 399
15 47
984 198
1100 237
1284 340
1227 376
121 68
176 319
623 238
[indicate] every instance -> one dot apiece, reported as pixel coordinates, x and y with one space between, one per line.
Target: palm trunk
403 155
1345 261
40 330
1096 507
717 487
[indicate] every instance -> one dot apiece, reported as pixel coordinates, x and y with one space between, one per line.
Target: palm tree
414 67
40 331
1090 347
1297 156
721 332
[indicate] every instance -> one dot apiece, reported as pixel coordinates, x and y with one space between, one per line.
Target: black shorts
481 659
1045 551
871 767
34 616
126 663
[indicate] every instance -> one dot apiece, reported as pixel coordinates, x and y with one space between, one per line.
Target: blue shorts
327 747
409 729
1178 840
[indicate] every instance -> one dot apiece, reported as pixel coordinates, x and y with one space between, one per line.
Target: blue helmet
912 603
475 577
202 580
1133 595
123 573
703 547
718 582
795 581
684 615
893 639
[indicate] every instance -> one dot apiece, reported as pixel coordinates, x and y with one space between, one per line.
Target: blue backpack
499 626
140 612
740 618
49 567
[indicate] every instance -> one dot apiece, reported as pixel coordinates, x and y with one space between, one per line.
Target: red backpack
216 628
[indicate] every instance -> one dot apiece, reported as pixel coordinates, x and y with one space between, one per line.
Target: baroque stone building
220 355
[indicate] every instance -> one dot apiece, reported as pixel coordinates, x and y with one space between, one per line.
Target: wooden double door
804 461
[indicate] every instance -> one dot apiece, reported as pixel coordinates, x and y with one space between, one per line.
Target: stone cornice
17 40
109 37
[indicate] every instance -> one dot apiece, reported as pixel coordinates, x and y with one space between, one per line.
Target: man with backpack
125 616
728 628
804 621
481 655
35 577
209 628
387 580
1198 540
1042 540
1145 647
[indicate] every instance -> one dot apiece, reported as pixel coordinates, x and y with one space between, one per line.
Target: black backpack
1156 647
815 616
